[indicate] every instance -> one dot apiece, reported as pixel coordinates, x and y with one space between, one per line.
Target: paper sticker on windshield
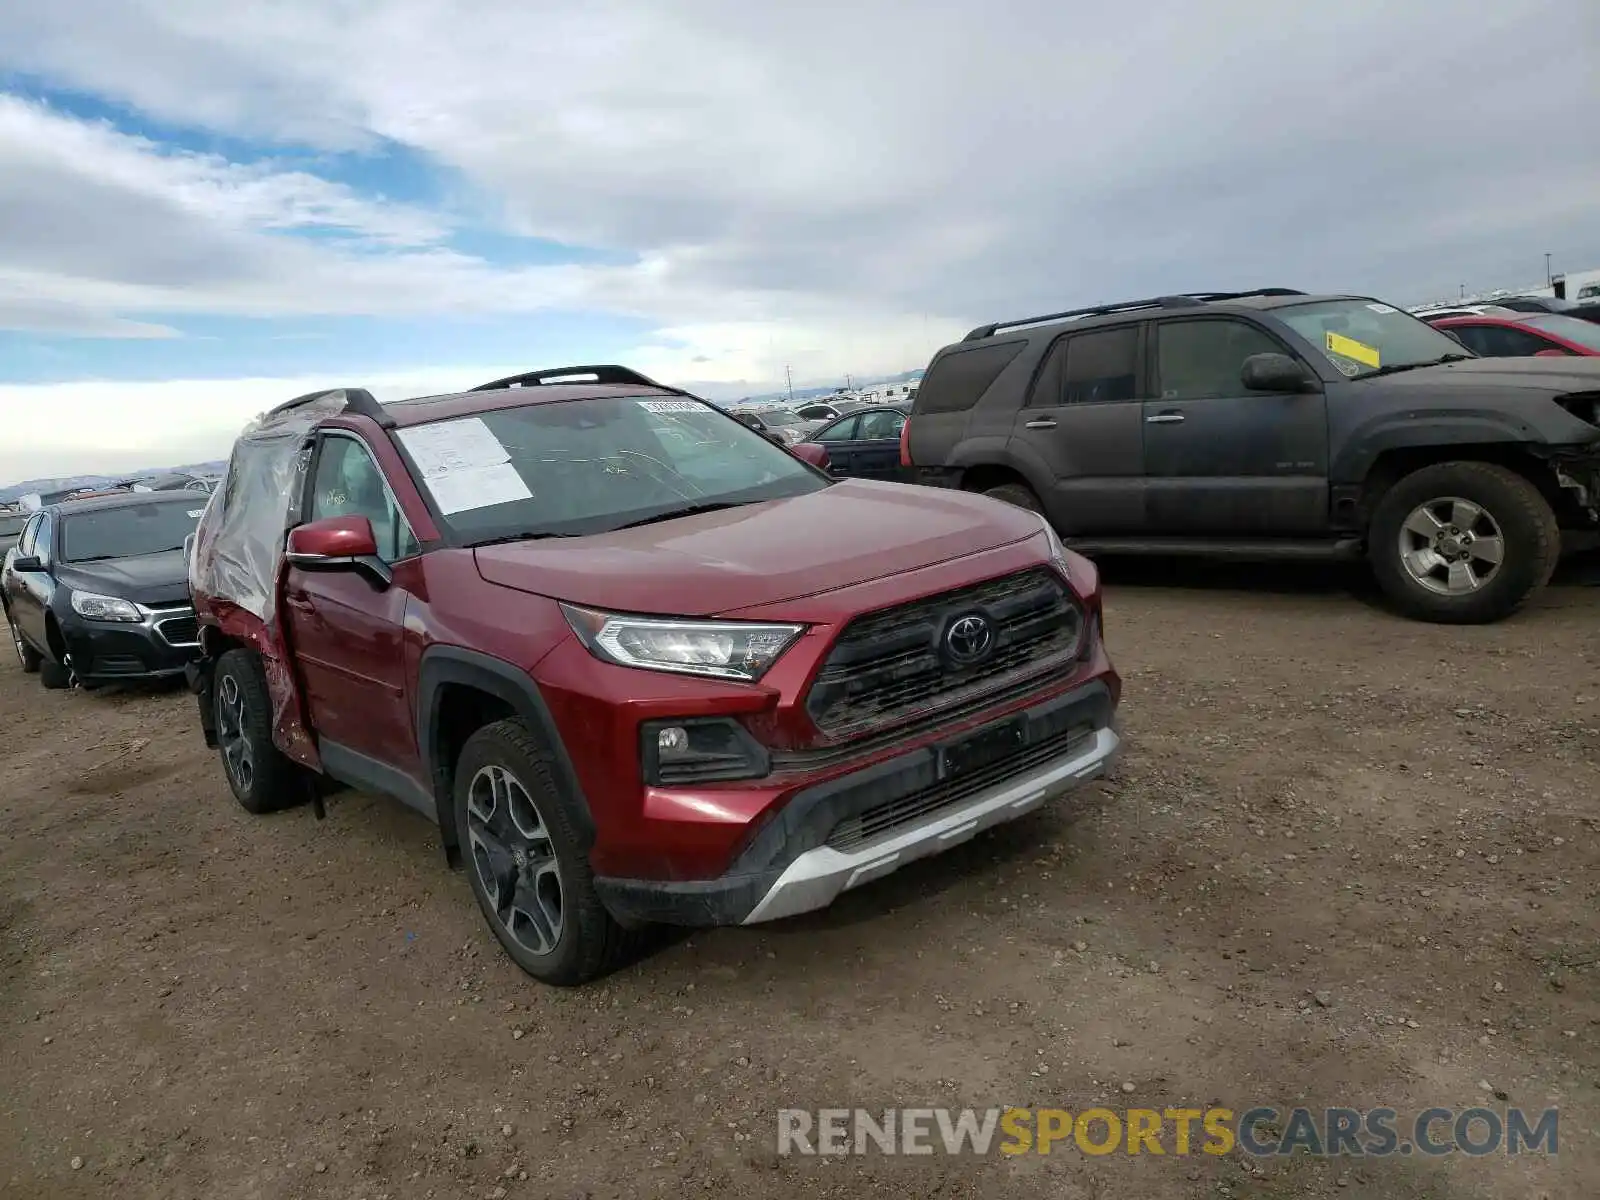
197 513
1383 308
448 447
1350 348
672 406
477 487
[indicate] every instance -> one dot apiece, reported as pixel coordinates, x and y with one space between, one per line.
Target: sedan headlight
741 650
104 608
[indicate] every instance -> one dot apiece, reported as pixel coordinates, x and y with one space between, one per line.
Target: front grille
179 631
854 832
888 665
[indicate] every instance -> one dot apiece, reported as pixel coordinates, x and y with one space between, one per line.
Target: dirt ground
1348 860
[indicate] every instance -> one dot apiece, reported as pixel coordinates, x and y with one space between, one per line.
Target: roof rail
607 373
1181 300
356 400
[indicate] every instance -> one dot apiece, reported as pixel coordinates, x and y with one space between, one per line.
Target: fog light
699 750
672 740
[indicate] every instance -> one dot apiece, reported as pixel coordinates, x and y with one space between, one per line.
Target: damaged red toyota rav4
639 664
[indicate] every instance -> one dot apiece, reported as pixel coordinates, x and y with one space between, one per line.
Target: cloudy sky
208 207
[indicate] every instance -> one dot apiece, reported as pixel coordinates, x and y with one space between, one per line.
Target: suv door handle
1167 418
1041 423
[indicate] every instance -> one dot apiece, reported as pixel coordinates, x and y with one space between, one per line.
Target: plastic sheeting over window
239 545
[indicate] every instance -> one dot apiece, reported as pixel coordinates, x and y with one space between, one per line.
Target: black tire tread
280 782
603 944
1528 506
31 658
1018 494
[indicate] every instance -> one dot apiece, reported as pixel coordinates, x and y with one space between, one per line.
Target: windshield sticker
1382 308
197 513
672 406
1346 347
464 465
448 446
477 487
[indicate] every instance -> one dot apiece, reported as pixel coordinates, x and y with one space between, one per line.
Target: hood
848 533
144 579
1549 375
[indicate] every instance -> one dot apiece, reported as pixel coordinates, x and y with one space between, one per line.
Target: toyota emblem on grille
968 639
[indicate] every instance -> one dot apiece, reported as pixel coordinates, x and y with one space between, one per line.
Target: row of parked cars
640 661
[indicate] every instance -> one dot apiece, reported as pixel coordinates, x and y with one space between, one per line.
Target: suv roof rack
607 373
356 400
1180 300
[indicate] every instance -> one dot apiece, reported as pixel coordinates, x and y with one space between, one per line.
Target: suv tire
262 777
26 654
518 833
1019 494
1494 537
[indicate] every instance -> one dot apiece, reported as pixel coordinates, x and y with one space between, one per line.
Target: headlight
1058 552
104 608
723 649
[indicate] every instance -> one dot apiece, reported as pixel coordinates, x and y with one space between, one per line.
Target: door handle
1041 423
1164 419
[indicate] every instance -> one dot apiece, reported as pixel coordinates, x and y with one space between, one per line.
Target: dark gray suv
1275 424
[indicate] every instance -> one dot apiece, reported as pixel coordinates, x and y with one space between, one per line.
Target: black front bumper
116 652
854 803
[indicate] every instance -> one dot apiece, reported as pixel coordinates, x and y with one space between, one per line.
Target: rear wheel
262 777
27 656
1019 494
530 874
1463 542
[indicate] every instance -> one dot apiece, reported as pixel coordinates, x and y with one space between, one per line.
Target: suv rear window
958 378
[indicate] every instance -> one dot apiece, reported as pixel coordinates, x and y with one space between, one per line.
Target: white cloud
834 186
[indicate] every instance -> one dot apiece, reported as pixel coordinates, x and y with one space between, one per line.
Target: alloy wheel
233 733
515 859
1451 546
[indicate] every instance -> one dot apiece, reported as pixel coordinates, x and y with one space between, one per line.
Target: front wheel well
460 710
1391 466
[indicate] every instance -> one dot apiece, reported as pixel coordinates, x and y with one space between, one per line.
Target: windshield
1572 329
130 530
1365 337
777 416
577 467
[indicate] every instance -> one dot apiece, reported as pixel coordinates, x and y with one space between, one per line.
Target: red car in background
1523 335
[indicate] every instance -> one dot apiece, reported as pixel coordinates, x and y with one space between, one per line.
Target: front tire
263 779
1463 543
530 873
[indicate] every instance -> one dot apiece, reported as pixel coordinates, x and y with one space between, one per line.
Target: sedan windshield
778 416
129 530
1571 329
568 468
1365 337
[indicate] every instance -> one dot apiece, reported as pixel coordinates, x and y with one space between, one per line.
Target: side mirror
30 562
1273 373
814 453
1551 354
338 544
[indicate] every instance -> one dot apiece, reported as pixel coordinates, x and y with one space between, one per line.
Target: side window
1472 337
958 379
839 431
349 484
1521 344
41 538
1090 368
30 533
1198 360
882 425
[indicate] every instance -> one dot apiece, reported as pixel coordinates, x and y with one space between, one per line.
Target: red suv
637 662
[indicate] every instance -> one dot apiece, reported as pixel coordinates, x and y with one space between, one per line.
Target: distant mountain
29 486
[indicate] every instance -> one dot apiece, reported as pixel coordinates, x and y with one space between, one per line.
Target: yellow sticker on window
1350 348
